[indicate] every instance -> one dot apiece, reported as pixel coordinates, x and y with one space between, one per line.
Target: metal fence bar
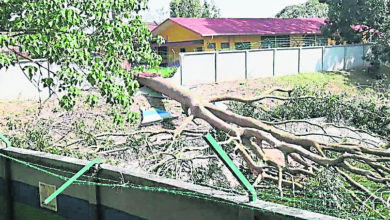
71 180
5 140
231 166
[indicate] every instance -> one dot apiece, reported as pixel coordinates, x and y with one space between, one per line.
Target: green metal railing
232 167
71 180
5 140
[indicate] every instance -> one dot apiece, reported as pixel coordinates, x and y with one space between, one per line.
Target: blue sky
229 8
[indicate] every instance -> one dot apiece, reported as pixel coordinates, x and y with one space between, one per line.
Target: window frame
270 44
283 44
224 44
245 45
310 37
209 46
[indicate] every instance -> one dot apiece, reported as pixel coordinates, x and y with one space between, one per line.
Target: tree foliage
193 9
373 18
310 9
345 14
90 41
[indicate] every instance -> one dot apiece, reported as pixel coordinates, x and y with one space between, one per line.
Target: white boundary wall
15 85
211 67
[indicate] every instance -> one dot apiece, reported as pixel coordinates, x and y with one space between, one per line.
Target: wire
272 195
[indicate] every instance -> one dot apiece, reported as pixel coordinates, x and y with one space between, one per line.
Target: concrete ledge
121 199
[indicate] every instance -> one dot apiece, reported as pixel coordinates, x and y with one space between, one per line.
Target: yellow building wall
255 40
176 33
232 40
173 52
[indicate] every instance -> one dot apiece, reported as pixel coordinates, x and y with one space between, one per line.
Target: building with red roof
209 34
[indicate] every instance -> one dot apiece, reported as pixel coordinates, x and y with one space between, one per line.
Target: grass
335 82
165 72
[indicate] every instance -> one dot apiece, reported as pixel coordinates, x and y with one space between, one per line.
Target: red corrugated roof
152 27
251 26
364 28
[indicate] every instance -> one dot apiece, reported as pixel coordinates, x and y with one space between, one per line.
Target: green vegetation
310 9
193 9
165 72
339 98
89 39
373 20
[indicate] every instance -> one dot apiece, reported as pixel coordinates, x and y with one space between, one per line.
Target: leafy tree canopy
310 9
193 9
373 16
344 14
90 40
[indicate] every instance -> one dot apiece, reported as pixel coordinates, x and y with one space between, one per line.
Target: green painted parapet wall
141 196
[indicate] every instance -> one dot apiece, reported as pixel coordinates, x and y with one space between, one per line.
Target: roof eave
238 34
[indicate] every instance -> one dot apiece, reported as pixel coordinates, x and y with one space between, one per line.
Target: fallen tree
254 141
89 41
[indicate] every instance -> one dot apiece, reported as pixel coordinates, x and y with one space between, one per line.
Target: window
309 40
267 41
199 49
225 45
211 46
243 45
282 41
182 50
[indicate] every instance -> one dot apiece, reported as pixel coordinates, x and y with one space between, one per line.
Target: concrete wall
260 63
19 195
210 67
311 60
286 62
15 85
195 73
354 57
334 58
228 72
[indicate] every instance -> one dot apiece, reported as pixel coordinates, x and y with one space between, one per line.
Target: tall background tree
193 9
310 9
370 19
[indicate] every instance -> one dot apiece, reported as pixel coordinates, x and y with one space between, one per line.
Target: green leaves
89 40
92 100
373 19
310 9
31 70
344 14
193 9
